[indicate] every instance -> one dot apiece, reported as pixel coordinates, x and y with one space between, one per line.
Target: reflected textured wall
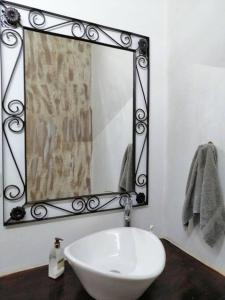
58 128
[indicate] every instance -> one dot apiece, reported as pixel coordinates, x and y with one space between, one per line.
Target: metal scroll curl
126 39
14 123
37 19
78 29
39 211
10 37
142 61
15 107
78 205
93 203
141 127
141 180
92 32
13 192
141 115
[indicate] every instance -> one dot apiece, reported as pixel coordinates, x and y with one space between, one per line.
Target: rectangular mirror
75 116
79 99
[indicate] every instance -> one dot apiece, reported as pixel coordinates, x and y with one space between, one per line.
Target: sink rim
109 274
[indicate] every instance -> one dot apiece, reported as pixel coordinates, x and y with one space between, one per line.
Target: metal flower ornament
12 16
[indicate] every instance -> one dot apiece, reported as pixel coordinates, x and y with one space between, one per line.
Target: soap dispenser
56 260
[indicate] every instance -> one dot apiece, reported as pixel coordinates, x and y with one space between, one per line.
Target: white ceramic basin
117 264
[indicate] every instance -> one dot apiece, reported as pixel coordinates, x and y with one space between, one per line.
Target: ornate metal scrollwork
15 107
93 203
13 192
141 115
79 205
126 39
37 18
14 111
39 211
141 127
141 180
10 37
142 61
14 117
78 29
92 32
14 124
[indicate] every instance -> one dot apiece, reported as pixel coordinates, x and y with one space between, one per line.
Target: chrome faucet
127 211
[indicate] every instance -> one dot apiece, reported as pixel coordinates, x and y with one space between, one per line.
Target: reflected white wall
109 147
112 114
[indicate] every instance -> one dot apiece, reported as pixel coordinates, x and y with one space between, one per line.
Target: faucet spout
127 211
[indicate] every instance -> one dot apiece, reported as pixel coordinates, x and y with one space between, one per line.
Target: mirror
75 116
79 117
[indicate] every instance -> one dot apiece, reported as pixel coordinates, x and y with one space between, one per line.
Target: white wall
23 247
196 110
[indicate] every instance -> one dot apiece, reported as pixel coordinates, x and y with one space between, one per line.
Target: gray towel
204 196
126 183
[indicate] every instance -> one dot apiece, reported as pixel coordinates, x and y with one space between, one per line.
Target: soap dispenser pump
56 260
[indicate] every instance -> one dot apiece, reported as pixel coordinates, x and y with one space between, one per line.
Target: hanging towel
204 196
126 175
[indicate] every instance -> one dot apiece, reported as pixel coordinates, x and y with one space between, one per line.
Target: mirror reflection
79 112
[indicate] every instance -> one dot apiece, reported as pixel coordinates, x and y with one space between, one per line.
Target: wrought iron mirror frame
14 19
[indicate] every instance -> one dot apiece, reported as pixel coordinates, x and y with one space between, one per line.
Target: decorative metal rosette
140 198
12 16
18 213
143 47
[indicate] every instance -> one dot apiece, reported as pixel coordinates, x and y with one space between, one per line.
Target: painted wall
196 108
28 246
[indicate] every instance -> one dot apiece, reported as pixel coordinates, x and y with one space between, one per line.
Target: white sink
117 264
